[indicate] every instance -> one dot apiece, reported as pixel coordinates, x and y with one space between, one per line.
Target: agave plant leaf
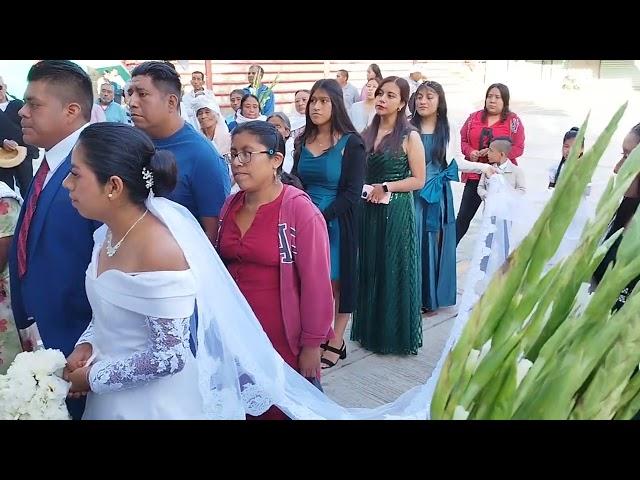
497 400
577 350
605 389
626 398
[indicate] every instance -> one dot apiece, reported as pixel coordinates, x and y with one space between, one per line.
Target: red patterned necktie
38 183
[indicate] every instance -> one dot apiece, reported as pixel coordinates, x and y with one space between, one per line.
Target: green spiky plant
551 350
262 95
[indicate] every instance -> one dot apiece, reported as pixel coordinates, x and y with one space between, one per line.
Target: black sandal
342 352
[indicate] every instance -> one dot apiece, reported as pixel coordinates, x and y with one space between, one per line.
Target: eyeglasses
245 157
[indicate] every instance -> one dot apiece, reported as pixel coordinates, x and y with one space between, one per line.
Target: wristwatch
385 188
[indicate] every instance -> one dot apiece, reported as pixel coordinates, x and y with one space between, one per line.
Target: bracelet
88 382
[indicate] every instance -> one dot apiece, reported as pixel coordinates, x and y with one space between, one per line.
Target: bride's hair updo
116 149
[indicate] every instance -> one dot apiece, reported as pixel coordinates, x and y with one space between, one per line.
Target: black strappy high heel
342 352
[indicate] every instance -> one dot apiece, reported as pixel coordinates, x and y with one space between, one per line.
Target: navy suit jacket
59 245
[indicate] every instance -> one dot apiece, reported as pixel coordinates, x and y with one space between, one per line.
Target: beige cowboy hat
12 158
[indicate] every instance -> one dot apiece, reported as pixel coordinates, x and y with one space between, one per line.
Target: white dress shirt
56 155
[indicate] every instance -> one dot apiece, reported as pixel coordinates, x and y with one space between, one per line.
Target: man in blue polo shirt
203 178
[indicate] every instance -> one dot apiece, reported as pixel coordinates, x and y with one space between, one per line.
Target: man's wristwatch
385 188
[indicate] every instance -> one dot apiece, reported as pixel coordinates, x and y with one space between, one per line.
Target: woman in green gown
387 317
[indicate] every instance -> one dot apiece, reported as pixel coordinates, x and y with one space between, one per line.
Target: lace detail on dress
87 336
166 355
256 401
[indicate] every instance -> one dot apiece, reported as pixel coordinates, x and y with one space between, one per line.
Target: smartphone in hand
367 189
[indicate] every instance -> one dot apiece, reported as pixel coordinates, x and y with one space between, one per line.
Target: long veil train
240 372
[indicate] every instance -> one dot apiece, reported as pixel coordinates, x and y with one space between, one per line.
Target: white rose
54 388
9 406
23 388
47 362
50 410
30 410
4 386
20 366
57 412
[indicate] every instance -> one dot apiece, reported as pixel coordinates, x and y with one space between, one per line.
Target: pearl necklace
111 250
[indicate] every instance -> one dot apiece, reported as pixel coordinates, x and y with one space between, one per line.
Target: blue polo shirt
203 176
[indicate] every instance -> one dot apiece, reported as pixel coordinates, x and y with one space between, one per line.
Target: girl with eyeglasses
273 240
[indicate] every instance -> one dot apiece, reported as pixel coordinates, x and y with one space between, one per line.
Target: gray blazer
513 174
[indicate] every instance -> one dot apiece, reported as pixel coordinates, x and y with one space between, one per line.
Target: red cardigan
306 297
471 132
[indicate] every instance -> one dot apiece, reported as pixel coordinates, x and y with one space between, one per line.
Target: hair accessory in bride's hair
148 178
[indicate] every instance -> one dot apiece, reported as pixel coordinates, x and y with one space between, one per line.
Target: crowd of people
340 211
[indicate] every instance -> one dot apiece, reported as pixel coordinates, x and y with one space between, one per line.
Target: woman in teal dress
435 216
329 160
387 317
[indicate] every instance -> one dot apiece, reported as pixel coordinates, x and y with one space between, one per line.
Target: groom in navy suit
53 243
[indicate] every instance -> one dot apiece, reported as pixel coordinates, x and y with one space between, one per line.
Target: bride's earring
110 195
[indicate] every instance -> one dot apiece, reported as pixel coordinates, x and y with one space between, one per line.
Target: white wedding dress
144 368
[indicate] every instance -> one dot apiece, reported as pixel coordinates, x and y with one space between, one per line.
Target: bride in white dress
142 292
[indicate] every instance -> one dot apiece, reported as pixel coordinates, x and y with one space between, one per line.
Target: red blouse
253 260
475 134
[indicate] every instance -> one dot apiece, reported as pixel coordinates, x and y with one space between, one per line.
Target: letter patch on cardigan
285 249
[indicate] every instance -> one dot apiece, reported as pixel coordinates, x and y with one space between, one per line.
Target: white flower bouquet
33 388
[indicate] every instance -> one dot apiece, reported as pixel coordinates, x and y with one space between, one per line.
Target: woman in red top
494 120
274 243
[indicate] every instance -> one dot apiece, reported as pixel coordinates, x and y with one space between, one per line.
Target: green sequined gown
387 318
